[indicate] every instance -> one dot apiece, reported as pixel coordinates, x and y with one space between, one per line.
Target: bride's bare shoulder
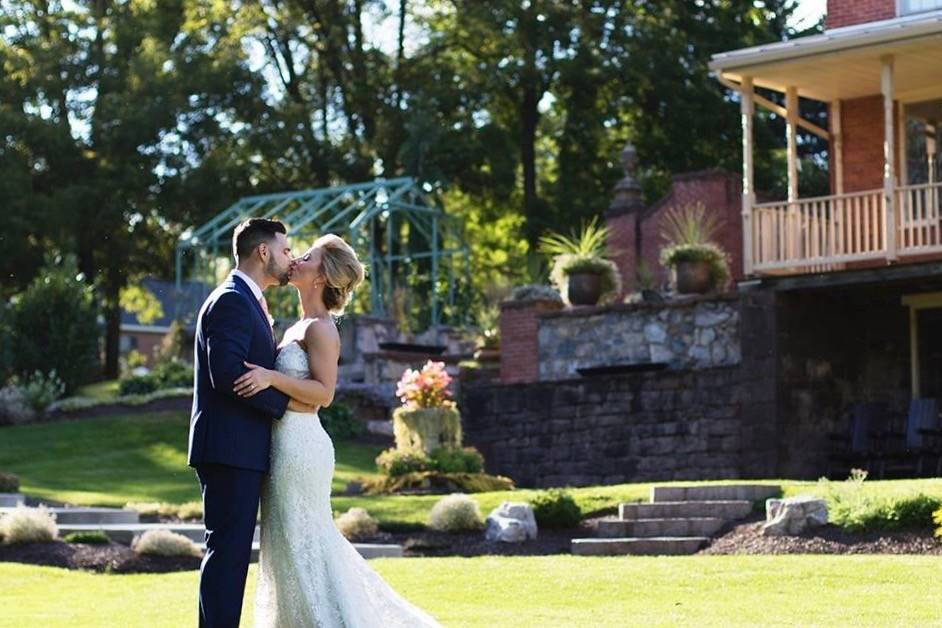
321 333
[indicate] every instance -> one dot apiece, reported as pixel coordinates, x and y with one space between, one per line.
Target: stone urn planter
693 277
584 288
426 429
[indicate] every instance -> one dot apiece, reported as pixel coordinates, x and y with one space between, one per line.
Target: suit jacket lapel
258 307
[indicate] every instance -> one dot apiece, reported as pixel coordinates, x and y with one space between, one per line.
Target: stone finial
627 192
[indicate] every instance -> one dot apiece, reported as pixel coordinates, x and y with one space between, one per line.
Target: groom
230 435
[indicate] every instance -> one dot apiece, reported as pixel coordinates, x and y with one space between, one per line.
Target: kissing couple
256 439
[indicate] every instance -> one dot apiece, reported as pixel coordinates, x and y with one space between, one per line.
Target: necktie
261 301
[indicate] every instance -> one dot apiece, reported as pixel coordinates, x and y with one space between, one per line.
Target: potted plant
699 264
580 269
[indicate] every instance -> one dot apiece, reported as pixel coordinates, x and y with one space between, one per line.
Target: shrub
394 462
14 406
339 421
137 385
357 523
91 538
454 460
172 373
937 519
165 543
42 389
536 292
556 508
56 310
28 525
850 507
455 513
9 483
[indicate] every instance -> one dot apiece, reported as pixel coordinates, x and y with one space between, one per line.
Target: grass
540 591
110 461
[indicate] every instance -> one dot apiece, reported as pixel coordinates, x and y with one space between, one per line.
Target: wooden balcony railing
820 234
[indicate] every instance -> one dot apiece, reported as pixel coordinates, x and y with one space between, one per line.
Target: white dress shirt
252 285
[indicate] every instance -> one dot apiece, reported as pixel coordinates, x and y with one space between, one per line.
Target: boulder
511 522
794 515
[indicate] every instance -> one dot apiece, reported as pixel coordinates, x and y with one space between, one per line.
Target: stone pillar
623 219
519 346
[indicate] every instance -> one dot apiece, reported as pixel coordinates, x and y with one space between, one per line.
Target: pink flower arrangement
427 388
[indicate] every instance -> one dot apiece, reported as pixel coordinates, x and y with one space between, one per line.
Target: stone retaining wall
668 425
693 333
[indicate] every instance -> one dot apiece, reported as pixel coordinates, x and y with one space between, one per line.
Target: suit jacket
224 428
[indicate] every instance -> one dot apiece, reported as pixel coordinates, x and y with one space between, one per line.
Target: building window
908 7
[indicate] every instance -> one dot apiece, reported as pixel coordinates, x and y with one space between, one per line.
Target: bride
309 574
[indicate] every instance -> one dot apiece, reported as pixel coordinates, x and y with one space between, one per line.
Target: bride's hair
342 271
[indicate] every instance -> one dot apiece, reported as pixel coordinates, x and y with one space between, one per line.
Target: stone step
89 516
729 510
9 500
655 546
721 492
366 550
660 528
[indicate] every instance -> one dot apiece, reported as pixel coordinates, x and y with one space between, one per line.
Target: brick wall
849 12
518 339
719 191
862 126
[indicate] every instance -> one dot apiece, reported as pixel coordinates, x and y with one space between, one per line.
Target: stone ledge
673 303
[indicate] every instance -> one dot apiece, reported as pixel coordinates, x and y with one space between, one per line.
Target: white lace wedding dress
309 574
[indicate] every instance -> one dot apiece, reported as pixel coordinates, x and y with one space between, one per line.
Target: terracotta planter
693 277
584 288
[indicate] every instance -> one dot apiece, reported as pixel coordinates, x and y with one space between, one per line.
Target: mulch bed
747 538
111 558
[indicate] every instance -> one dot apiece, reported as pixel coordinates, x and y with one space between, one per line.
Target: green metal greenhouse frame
380 219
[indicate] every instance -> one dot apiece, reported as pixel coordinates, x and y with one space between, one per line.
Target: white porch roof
844 63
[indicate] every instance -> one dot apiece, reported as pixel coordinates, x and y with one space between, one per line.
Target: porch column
889 161
793 227
791 131
747 109
837 147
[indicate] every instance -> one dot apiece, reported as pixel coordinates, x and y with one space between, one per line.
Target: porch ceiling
845 63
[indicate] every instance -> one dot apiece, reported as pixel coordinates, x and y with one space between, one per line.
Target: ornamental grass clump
356 524
28 525
455 513
160 542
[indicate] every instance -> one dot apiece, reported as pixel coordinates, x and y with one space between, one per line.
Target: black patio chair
912 450
857 446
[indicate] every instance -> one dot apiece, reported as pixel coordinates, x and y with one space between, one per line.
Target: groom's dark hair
253 232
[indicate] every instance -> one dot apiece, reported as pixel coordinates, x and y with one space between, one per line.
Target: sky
808 12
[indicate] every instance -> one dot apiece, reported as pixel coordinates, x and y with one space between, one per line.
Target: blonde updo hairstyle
342 272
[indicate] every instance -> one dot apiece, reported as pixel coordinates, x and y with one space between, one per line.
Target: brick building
836 308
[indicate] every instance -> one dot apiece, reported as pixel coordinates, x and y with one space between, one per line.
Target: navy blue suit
229 442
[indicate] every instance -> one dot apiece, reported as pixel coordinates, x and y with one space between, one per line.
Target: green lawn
540 591
113 460
110 461
103 391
